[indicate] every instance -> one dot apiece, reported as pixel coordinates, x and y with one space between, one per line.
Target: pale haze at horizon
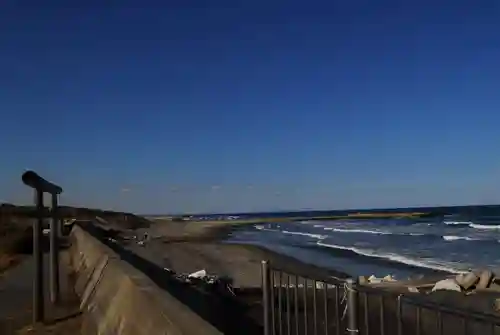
156 108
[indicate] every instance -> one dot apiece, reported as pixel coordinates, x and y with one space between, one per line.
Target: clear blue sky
175 106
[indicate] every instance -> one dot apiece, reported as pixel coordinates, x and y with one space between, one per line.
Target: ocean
456 240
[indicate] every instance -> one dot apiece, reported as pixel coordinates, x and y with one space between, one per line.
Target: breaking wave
449 246
481 226
318 236
458 238
456 223
365 231
429 263
471 224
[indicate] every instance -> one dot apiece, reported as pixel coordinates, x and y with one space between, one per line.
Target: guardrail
295 303
41 186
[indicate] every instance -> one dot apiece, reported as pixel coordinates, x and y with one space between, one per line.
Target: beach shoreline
186 248
219 233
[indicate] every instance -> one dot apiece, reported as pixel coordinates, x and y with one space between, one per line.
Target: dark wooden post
54 252
38 298
41 186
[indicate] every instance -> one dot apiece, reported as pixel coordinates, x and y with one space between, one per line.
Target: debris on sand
413 289
139 240
449 284
375 280
198 274
201 279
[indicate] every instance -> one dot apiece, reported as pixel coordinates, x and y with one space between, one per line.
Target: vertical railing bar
382 315
296 295
465 326
315 316
351 307
337 310
418 319
399 316
325 295
272 301
366 310
288 307
280 298
439 321
306 326
265 294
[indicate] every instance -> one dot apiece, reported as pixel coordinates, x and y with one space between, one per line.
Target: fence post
265 296
54 252
352 307
38 299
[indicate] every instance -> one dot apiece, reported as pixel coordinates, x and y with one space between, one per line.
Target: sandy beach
192 246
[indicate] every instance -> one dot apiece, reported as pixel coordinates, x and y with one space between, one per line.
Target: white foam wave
260 227
455 223
456 238
363 231
318 236
366 231
318 226
480 226
472 224
429 264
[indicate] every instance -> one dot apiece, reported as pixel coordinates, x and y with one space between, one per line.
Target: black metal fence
298 304
40 187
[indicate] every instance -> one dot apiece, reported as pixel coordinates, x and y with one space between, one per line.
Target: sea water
401 247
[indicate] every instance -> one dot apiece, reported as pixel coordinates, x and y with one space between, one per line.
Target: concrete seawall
116 298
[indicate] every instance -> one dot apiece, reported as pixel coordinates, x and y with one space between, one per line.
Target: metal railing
41 186
295 303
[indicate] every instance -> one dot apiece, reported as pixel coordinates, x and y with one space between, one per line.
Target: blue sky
201 106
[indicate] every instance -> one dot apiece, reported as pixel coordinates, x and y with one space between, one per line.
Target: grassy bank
15 240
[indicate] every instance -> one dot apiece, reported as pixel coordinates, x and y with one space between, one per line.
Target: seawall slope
116 298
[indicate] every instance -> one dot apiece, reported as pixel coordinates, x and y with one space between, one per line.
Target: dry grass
15 240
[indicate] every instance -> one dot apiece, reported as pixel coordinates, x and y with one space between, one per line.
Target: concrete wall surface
118 299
